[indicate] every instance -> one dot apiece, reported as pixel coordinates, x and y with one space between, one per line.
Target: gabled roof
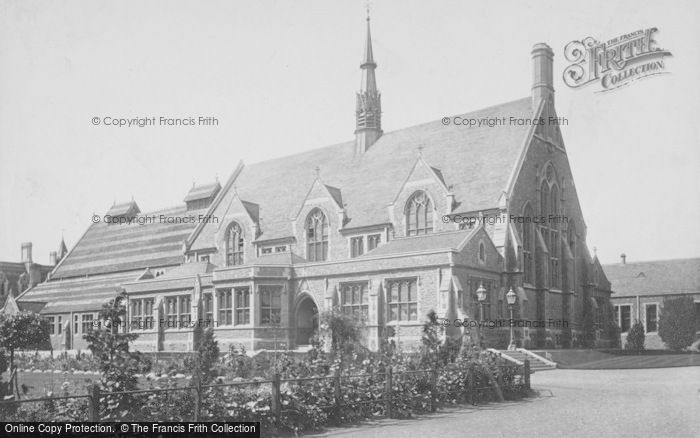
657 277
205 191
124 209
475 161
106 248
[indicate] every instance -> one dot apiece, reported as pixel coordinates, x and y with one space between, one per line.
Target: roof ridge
386 133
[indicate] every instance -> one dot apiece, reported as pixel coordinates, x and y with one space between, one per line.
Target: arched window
527 236
554 244
549 229
316 236
419 215
234 245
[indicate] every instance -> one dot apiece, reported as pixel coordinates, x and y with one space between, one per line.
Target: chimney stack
623 258
27 252
543 76
53 258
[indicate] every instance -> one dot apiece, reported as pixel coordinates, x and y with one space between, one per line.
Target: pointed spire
62 249
368 110
369 54
369 81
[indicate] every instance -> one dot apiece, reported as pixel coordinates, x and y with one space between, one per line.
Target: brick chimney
623 258
53 258
543 76
27 252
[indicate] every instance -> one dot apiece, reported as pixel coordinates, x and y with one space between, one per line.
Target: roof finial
595 251
317 169
420 150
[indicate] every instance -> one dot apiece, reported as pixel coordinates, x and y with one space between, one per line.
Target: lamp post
511 297
481 296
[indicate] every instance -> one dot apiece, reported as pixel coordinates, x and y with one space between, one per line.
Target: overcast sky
281 78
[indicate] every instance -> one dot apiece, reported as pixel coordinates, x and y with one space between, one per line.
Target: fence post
276 404
94 402
433 390
526 372
197 397
388 385
338 394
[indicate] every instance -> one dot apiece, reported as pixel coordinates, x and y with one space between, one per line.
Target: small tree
207 356
677 322
119 366
22 331
635 337
346 330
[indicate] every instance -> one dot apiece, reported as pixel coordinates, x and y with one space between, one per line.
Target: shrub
347 332
635 337
677 322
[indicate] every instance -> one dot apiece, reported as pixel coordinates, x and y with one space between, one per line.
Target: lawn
594 359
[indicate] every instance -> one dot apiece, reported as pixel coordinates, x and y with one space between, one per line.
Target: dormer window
200 197
419 215
316 236
234 245
119 212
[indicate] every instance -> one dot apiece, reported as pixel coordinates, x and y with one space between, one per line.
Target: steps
518 356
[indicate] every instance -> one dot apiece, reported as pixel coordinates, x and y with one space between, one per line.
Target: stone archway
306 320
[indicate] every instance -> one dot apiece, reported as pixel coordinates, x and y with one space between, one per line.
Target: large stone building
389 226
17 277
640 289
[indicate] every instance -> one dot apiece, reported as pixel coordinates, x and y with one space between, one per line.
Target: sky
281 77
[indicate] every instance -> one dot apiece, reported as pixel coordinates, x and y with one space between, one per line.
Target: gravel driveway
660 402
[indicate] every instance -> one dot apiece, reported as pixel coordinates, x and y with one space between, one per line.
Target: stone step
536 364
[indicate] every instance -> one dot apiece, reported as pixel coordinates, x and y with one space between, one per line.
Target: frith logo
614 63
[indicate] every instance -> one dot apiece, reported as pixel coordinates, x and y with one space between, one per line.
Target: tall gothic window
234 245
549 210
528 250
555 247
419 215
316 236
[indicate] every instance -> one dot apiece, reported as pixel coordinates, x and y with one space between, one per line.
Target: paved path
662 402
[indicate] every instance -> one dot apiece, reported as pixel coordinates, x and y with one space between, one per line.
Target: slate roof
654 277
429 242
107 248
78 294
475 161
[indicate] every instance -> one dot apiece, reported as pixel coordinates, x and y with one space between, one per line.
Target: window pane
393 312
403 312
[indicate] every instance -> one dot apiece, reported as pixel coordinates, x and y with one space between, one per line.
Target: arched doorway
307 320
